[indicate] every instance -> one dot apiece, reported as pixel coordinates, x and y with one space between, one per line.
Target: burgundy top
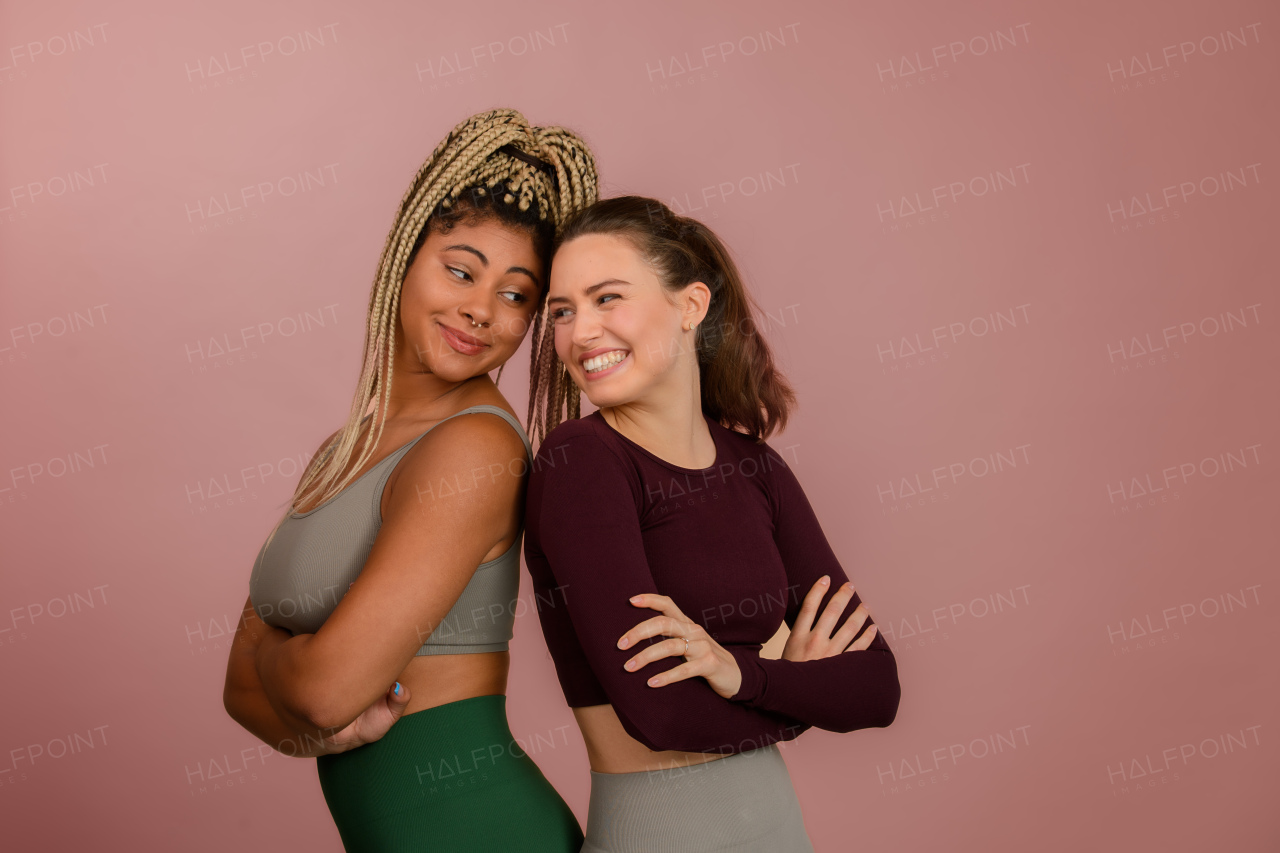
736 546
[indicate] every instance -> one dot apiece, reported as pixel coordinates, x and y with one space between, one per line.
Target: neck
668 422
417 393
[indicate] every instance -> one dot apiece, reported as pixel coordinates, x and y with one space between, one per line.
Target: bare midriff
435 680
611 750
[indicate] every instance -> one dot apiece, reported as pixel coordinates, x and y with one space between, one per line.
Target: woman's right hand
374 722
811 642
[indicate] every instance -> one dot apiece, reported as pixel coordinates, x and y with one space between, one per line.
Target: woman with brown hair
375 637
668 498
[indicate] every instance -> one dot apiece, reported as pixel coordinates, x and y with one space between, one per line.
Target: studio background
1018 260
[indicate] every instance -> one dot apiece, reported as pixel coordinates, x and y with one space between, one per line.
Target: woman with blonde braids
680 542
376 632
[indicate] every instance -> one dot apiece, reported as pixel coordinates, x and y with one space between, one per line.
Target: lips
606 363
461 341
592 353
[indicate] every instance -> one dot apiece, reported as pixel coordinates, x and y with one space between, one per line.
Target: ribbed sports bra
315 556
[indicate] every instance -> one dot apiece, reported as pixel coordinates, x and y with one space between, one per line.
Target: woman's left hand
703 656
374 722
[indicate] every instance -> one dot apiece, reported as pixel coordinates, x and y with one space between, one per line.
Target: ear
695 299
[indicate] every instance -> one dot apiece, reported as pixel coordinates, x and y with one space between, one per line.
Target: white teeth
600 362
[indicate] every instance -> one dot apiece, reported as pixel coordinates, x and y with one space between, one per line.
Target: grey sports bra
315 556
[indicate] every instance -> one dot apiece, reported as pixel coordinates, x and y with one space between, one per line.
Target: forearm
280 664
701 721
247 703
852 690
847 691
254 713
685 715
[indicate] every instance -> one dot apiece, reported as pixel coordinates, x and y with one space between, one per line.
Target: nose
585 328
477 310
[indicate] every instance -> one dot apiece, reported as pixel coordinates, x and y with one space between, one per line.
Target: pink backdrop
1018 258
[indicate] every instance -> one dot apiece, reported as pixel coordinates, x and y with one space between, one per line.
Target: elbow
298 703
231 704
319 708
329 701
882 710
880 717
891 697
313 694
237 700
890 712
310 703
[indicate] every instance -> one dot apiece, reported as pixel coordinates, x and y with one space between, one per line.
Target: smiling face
468 299
619 332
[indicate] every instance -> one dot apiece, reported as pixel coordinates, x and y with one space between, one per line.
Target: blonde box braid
549 167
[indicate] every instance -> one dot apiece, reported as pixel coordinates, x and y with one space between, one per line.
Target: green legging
450 778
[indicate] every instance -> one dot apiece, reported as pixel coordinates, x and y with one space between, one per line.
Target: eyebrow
590 290
485 261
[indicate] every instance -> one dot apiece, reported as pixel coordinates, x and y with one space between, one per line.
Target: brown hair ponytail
741 387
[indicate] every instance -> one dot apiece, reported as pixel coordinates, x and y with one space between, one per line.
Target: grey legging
743 803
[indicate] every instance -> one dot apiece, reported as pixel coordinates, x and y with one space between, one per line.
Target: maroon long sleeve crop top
736 546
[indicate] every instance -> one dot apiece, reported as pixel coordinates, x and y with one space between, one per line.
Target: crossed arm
841 693
246 701
593 542
426 551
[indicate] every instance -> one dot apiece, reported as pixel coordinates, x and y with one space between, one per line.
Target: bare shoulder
476 432
477 452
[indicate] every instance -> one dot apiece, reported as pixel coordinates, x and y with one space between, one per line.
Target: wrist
752 672
330 747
